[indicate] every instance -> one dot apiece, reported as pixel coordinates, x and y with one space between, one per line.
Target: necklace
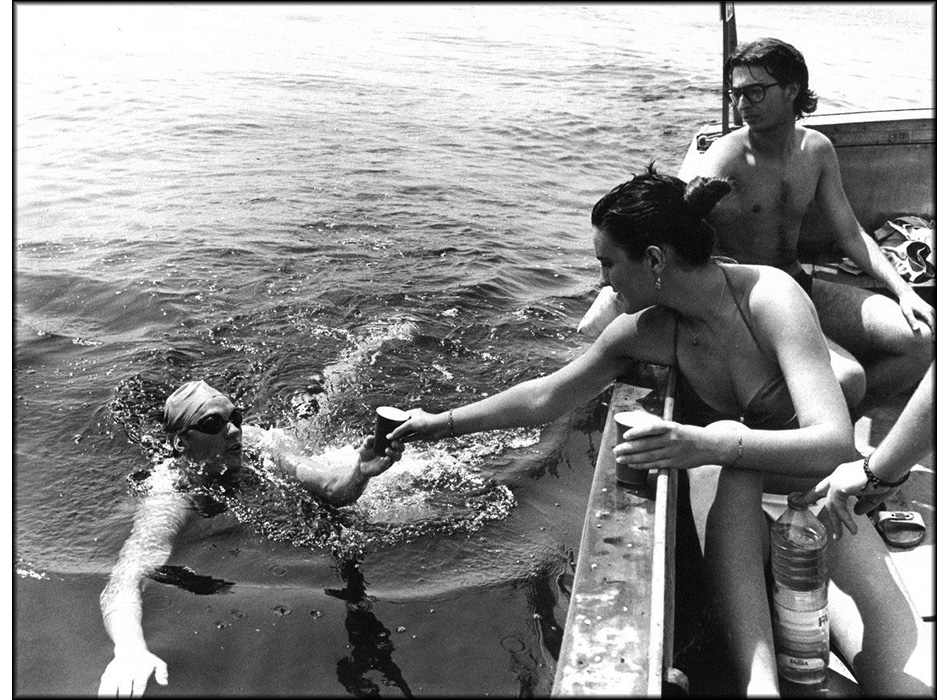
722 293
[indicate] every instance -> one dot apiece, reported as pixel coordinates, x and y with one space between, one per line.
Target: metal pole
727 14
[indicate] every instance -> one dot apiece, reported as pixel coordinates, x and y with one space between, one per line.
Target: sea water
321 209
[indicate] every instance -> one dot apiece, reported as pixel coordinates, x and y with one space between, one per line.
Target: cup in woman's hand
387 419
640 419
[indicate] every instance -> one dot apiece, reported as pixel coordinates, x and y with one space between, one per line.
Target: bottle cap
795 501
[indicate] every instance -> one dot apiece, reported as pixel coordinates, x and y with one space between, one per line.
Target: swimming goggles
754 93
215 423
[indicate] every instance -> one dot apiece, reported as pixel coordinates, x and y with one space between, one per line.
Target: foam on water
428 491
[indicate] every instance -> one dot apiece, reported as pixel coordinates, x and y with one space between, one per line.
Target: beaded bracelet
876 481
451 423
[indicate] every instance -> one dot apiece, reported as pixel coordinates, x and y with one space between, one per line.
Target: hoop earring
656 283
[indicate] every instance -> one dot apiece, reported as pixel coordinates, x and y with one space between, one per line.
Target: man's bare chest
769 191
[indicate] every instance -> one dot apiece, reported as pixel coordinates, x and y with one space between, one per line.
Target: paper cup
387 419
640 419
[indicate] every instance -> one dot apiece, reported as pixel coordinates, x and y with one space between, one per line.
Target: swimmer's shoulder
162 478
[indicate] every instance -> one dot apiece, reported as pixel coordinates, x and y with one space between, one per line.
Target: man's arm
158 520
715 160
857 244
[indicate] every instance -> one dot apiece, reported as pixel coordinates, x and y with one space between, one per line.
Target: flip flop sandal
903 529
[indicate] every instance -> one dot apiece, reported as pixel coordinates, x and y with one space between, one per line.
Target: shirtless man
879 347
777 168
205 434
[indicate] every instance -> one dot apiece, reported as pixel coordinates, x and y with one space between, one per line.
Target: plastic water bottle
800 596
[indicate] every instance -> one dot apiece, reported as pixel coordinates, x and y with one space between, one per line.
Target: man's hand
127 674
371 464
917 312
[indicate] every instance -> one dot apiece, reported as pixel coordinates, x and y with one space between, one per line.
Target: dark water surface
321 209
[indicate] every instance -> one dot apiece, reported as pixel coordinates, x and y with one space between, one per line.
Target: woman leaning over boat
757 393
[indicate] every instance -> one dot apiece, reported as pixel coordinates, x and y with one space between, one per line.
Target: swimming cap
185 403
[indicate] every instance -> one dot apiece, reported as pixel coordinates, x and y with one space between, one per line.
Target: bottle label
802 620
793 666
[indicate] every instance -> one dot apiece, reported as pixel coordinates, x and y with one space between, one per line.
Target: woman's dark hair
783 62
654 209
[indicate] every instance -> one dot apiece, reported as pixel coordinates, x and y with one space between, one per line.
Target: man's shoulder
813 141
724 154
734 142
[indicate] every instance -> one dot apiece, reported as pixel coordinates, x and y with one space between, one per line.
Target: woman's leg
877 632
727 507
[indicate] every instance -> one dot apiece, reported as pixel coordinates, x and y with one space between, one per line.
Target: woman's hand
671 445
665 445
372 464
127 674
422 426
844 482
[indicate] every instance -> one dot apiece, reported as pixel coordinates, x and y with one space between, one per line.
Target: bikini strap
742 312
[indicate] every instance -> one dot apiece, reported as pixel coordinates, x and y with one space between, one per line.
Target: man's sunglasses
754 93
215 423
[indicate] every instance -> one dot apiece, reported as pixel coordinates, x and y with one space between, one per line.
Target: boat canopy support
727 14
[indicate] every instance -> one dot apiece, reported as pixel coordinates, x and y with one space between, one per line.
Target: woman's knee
852 379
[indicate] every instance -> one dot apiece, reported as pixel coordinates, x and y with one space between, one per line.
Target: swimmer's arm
338 486
158 520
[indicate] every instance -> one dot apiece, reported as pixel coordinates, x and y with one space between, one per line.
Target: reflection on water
186 579
371 641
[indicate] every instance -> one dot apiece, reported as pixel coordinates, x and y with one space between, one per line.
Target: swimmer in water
205 434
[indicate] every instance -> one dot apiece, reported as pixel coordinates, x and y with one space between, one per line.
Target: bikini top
771 408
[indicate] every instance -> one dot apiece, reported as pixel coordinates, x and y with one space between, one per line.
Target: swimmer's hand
127 674
371 464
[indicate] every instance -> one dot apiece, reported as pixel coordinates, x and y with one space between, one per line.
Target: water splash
25 569
429 491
